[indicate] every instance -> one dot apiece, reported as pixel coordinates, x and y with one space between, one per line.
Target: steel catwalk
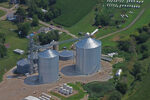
48 66
88 56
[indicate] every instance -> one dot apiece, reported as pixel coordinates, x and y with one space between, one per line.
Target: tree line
3 50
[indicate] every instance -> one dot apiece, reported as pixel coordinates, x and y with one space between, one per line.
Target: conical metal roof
23 62
66 53
48 54
88 43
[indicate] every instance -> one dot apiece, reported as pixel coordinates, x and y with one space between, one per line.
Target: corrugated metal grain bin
88 56
23 66
48 66
66 55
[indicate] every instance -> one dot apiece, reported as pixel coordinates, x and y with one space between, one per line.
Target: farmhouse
44 30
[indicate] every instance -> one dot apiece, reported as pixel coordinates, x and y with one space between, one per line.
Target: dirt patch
117 60
116 38
15 89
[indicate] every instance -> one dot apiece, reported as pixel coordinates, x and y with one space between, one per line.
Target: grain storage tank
48 66
66 55
23 66
88 55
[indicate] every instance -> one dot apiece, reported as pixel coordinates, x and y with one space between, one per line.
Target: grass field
11 38
9 61
2 13
77 86
73 10
63 37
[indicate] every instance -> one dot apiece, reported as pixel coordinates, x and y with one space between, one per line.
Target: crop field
73 10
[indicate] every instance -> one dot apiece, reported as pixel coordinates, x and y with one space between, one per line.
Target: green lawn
11 38
73 10
63 37
77 86
2 13
9 29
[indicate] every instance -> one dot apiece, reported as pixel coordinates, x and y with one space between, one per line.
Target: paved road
60 29
131 24
8 11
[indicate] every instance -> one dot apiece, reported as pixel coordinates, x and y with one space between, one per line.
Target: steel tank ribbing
48 62
88 56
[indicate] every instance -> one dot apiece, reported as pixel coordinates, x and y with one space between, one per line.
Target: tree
124 45
49 16
45 38
145 28
21 14
145 55
51 2
23 29
35 21
2 38
115 96
143 37
22 1
44 4
3 51
102 19
3 1
143 48
122 87
56 12
137 71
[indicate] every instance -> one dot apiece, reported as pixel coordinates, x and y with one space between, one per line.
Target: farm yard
124 27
